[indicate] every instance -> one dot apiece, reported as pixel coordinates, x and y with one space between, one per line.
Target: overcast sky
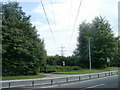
62 15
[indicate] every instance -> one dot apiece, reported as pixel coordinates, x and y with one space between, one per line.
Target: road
105 82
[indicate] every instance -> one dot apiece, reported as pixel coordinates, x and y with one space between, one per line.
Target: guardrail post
105 74
79 78
66 79
32 83
111 73
98 75
9 84
89 76
51 81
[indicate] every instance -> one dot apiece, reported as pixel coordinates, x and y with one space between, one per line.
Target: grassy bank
83 71
23 77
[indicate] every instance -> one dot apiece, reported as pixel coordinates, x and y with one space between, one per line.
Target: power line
53 15
53 12
69 15
48 21
75 22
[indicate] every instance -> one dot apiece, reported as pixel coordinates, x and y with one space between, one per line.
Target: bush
76 68
50 69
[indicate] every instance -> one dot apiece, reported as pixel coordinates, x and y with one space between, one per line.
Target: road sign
63 63
108 60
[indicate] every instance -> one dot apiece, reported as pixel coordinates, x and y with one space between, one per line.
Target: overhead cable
48 22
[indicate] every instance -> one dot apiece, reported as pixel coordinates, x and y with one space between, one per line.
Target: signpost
108 61
63 63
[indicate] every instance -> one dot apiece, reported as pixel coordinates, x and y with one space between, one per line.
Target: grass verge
23 77
83 71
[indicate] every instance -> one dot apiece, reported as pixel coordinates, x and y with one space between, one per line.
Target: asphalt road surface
106 82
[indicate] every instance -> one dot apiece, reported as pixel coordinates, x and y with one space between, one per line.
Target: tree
82 46
23 50
118 52
116 60
102 43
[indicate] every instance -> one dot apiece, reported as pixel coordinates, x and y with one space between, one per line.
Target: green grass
83 71
23 77
69 72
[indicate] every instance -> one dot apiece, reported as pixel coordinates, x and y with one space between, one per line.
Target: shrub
76 68
50 69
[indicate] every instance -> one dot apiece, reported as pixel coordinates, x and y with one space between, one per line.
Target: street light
89 54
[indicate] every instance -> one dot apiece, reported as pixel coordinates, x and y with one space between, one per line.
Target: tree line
23 52
103 44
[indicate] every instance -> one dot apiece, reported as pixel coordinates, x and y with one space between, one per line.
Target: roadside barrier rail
34 82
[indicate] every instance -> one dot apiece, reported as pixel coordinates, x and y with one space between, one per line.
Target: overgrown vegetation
50 69
58 60
23 77
23 51
84 71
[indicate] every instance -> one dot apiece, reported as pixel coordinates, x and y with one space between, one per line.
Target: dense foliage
58 60
23 51
103 44
57 68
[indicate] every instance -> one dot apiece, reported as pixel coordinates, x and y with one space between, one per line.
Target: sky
61 15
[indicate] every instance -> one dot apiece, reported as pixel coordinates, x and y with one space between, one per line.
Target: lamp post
89 54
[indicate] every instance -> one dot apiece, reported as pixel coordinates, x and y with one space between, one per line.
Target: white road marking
96 86
49 86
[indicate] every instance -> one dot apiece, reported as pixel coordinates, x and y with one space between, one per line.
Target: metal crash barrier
34 82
